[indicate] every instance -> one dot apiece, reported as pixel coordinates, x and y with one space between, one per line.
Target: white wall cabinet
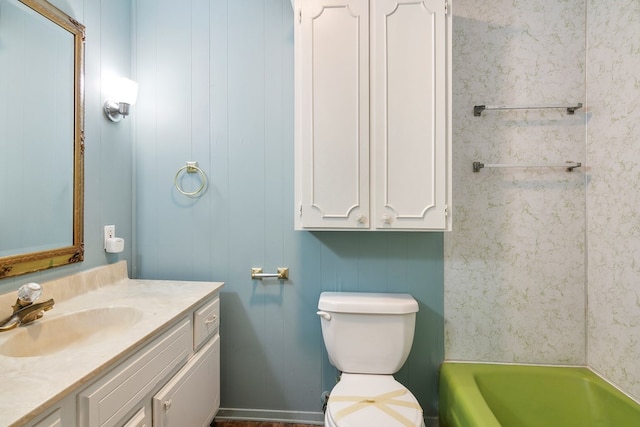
172 381
373 114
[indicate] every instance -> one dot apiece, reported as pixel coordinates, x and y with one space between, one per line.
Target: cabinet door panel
192 397
409 107
333 90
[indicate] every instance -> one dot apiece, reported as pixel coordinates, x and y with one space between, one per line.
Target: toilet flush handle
324 315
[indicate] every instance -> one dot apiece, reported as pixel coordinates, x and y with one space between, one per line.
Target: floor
255 424
430 423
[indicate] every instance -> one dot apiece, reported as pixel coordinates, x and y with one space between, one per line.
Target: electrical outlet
109 233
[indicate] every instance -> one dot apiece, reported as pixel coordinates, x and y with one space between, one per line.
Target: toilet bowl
368 337
360 400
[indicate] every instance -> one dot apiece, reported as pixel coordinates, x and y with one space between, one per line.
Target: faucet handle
29 292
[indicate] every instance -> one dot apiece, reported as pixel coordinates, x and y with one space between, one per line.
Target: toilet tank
367 333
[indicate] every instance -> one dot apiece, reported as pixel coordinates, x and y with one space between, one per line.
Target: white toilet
368 337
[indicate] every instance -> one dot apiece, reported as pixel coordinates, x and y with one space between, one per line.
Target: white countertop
28 385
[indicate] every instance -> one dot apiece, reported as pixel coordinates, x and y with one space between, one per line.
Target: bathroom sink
47 336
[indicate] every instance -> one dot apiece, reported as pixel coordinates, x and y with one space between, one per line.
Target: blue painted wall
216 87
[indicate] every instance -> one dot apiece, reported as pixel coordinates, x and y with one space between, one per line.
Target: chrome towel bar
478 109
570 166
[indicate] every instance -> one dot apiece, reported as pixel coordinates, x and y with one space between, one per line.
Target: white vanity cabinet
373 114
174 380
192 396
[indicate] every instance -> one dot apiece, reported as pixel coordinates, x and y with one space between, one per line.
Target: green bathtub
491 395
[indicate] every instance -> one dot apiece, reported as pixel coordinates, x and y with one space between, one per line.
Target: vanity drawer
109 399
206 320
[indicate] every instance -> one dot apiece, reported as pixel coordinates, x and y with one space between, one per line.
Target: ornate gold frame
16 265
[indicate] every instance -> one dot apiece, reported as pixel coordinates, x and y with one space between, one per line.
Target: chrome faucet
24 310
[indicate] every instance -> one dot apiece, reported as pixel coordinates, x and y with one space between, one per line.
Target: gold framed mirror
41 137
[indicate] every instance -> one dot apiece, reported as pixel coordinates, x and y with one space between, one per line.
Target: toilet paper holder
282 274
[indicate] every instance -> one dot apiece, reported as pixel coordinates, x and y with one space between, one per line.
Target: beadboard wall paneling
216 87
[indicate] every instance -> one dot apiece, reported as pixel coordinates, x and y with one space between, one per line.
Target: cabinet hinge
299 16
446 8
446 210
300 210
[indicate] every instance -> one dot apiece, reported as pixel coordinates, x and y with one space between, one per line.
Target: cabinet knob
166 405
386 219
362 219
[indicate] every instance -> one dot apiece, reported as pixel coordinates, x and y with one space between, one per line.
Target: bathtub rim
474 400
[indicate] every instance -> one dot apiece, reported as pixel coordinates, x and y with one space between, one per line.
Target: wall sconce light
123 95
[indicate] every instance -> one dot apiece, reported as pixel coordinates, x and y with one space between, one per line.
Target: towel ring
191 167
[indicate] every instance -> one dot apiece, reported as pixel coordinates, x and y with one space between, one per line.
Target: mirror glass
41 137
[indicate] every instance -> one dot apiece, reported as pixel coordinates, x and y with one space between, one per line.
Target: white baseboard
295 417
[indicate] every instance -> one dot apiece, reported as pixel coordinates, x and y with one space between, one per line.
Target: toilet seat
362 400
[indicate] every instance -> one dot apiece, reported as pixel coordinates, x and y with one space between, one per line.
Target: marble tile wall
613 83
515 262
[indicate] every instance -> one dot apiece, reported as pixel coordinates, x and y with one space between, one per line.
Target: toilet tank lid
364 302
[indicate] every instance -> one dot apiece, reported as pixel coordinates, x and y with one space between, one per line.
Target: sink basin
47 336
